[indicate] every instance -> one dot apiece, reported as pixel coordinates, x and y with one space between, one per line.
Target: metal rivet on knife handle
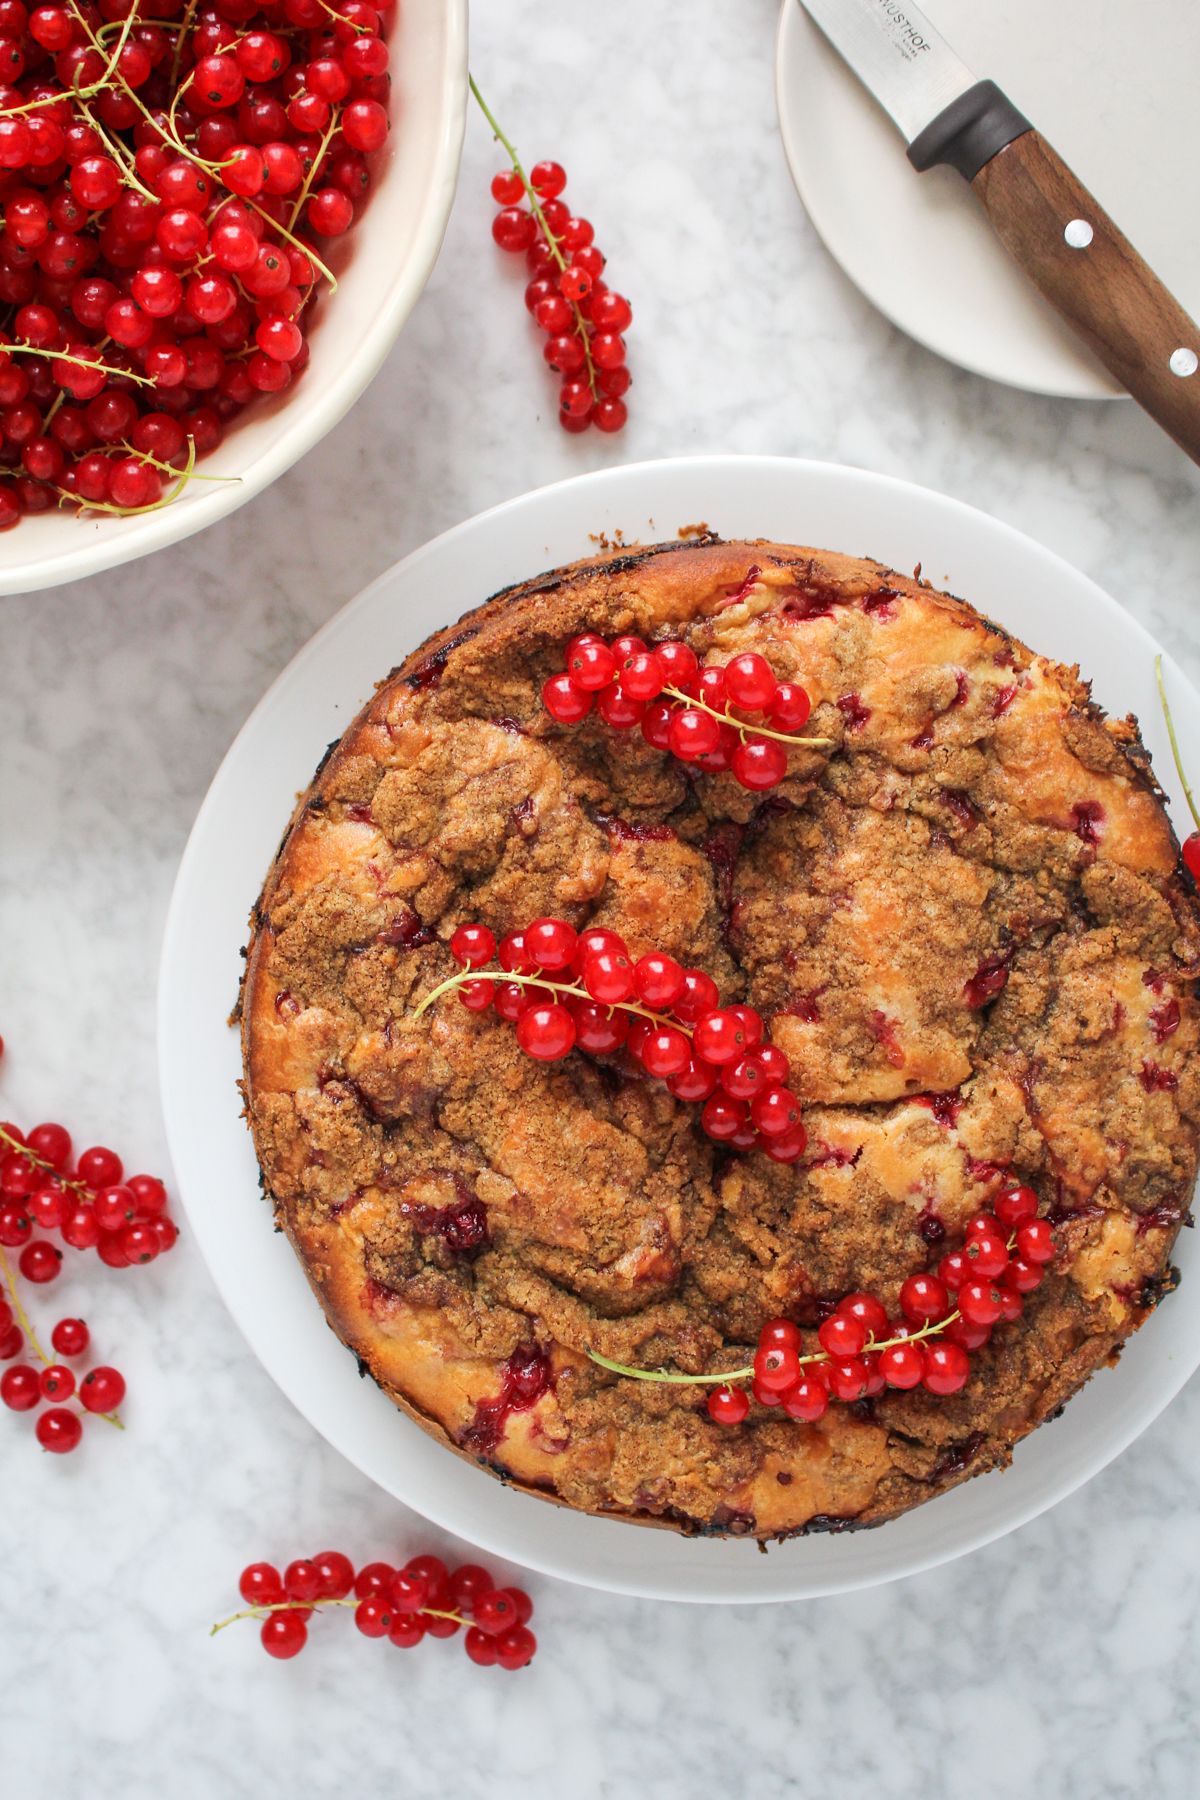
1184 362
1078 234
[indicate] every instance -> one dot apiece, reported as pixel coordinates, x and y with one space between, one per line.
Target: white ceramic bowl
381 267
1058 610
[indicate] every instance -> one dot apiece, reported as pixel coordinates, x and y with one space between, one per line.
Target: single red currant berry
477 996
723 1117
18 1177
20 1388
1012 1304
677 661
609 415
617 709
79 1228
708 685
40 1262
1035 1242
551 943
407 1630
554 315
515 1648
923 1299
12 1343
946 1368
1015 1206
1191 855
903 1366
697 1080
15 1225
766 1396
59 1430
987 1254
507 188
658 980
744 1078
788 1147
965 1335
102 1390
166 1233
1022 1275
868 1311
149 1194
52 1143
496 1612
260 1584
980 1224
522 1602
576 284
698 995
641 676
547 179
564 701
728 1405
114 1207
759 763
98 1168
790 708
720 1037
750 682
954 1269
374 1581
472 946
374 1615
665 1051
480 1647
599 1029
808 1401
336 1574
847 1378
776 1367
608 976
466 1584
284 1634
50 1206
139 1242
979 1302
591 665
70 1337
843 1336
302 1581
546 1032
693 734
656 724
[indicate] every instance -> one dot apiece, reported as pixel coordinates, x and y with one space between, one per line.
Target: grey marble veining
1062 1660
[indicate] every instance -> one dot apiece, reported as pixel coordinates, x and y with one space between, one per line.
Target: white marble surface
1062 1660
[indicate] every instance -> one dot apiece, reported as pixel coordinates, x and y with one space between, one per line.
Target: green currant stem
130 512
553 242
39 1162
740 725
306 185
17 348
307 248
725 1375
556 987
1162 694
188 16
266 1612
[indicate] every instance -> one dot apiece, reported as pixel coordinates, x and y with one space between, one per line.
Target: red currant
980 1302
728 1405
790 708
847 1378
102 1390
591 664
466 1584
966 1336
551 943
723 1117
788 1147
924 1299
656 724
1023 1276
987 1254
599 1029
11 1343
750 682
946 1368
808 1401
842 1335
507 188
472 946
759 763
59 1430
617 709
52 1143
547 179
658 981
284 1634
677 661
698 995
1035 1242
564 701
40 1262
903 1365
1016 1206
79 1228
693 734
641 676
20 1388
1191 855
496 1612
480 1647
374 1581
665 1051
99 1168
70 1337
515 1648
546 1032
695 1081
15 1225
776 1366
720 1037
608 976
260 1584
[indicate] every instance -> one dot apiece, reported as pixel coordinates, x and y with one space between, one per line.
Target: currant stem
487 973
725 1375
740 725
39 1162
265 1612
17 348
1162 694
22 1315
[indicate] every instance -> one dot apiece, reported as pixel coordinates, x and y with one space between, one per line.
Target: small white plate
1117 103
235 836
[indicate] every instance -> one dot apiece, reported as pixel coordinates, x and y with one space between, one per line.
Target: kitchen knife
1065 242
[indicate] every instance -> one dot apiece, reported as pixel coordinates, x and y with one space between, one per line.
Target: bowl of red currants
216 216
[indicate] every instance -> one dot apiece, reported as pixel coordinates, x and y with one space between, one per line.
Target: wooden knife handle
1092 275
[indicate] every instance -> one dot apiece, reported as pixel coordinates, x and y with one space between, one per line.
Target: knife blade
1054 228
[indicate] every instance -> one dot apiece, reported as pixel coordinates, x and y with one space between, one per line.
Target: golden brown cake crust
966 922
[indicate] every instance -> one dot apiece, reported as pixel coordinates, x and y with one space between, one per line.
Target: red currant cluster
423 1599
665 1016
164 166
695 723
582 318
861 1351
23 1387
94 1208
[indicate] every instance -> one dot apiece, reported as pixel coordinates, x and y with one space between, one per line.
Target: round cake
961 915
